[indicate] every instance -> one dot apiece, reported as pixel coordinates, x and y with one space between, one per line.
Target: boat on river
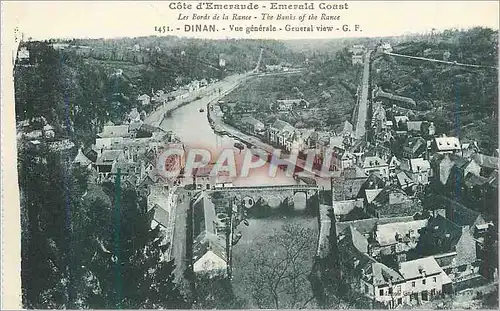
239 145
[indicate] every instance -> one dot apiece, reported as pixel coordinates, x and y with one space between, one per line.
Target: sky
95 19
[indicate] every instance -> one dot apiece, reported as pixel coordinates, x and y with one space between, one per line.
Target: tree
216 293
281 269
82 251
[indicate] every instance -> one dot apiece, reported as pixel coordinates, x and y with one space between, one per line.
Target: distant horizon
438 31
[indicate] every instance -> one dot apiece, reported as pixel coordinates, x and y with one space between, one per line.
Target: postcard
250 155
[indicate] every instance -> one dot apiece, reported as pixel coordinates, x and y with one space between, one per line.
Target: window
423 281
412 284
366 289
400 301
390 290
381 292
434 279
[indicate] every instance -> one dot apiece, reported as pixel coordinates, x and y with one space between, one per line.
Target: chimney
465 228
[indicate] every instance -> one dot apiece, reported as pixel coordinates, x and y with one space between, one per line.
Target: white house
446 144
375 164
420 171
209 246
144 99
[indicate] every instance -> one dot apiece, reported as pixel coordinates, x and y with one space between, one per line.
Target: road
209 93
178 251
363 100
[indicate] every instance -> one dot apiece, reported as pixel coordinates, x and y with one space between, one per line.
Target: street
178 253
363 101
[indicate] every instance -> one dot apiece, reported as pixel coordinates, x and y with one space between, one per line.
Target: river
193 129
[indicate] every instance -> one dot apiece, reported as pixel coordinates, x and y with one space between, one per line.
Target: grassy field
328 96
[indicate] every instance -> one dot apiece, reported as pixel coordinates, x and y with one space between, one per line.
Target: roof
336 141
392 201
403 119
373 161
108 156
81 158
447 143
404 179
485 160
282 126
414 125
348 128
134 126
358 240
114 131
419 164
386 234
48 127
134 114
209 242
365 226
416 268
460 214
371 194
413 144
204 229
384 195
394 161
472 180
383 274
251 120
440 236
161 216
347 188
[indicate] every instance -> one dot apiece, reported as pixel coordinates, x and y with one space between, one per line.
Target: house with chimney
280 132
253 126
388 286
291 104
374 164
210 257
144 99
418 169
107 162
392 201
414 147
421 127
446 144
453 246
400 124
341 159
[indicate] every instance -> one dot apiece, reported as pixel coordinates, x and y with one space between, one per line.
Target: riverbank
214 91
222 128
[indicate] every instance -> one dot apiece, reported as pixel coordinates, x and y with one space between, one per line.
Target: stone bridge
272 196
